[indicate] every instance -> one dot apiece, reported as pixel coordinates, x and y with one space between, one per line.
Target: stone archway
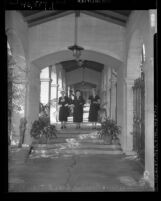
58 57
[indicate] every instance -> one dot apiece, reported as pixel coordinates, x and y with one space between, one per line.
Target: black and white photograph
81 107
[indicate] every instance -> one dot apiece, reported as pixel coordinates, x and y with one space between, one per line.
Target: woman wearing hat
63 111
78 103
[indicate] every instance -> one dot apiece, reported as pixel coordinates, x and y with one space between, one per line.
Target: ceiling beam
114 14
103 17
37 15
45 17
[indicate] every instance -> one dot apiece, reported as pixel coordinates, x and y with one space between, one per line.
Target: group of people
76 103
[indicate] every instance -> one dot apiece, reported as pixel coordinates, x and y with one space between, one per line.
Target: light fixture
83 82
76 49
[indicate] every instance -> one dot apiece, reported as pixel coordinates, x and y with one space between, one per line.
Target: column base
129 153
149 179
27 139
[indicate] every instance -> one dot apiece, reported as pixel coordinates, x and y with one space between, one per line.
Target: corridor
110 51
78 161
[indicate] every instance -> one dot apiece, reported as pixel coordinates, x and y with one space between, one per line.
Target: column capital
54 85
45 80
129 81
113 80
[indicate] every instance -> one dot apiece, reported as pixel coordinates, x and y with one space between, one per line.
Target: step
76 151
80 145
74 131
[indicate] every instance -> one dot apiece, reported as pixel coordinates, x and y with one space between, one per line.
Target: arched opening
98 71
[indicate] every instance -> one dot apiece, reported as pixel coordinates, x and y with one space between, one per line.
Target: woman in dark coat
63 111
71 99
78 108
94 101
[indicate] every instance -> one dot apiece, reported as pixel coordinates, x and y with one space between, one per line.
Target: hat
77 91
62 90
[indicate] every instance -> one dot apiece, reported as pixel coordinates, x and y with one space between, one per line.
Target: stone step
81 145
73 131
66 139
75 151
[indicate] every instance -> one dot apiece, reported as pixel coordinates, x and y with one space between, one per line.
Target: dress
78 109
94 107
63 112
70 100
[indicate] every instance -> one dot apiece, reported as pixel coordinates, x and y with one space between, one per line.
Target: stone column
50 80
33 99
54 95
113 97
108 92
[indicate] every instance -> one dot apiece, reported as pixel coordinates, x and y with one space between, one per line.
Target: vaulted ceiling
35 17
71 65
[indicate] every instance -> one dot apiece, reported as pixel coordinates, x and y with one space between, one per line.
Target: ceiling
35 17
71 65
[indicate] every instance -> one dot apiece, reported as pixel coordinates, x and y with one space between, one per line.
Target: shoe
61 127
65 127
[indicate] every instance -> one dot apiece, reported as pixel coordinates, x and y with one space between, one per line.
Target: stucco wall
93 34
77 76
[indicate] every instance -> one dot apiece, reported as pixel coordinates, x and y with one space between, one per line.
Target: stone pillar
33 99
50 80
59 78
108 92
54 96
128 139
113 97
121 106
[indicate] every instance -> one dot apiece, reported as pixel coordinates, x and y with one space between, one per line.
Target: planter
107 139
41 140
116 141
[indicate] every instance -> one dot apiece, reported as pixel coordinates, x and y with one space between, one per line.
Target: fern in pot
109 131
42 131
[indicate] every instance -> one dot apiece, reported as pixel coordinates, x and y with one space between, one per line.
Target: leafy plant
109 127
42 128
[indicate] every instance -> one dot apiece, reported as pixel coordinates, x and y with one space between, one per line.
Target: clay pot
107 139
116 141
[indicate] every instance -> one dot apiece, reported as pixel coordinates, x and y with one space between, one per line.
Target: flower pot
40 140
107 139
116 141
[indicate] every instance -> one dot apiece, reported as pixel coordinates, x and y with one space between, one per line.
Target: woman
63 111
94 101
71 99
78 103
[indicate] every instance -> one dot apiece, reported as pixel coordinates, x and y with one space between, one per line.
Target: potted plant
109 131
42 131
